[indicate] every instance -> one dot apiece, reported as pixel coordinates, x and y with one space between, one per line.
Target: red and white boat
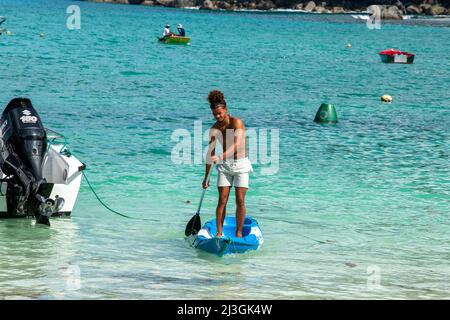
396 56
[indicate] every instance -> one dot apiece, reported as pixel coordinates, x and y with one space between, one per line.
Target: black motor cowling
23 146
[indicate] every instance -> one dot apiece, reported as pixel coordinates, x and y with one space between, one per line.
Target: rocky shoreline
390 9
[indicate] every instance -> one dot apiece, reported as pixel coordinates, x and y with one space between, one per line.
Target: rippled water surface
353 205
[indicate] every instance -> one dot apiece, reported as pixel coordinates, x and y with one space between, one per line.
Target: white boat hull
63 174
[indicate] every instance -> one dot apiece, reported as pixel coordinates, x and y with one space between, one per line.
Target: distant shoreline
394 11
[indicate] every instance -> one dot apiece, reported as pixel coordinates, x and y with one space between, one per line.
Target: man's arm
210 153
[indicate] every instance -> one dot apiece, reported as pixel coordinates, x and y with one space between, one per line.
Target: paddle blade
42 219
193 226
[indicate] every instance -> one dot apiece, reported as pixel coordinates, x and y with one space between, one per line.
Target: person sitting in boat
167 32
181 31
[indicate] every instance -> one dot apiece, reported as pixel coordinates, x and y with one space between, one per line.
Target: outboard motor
23 146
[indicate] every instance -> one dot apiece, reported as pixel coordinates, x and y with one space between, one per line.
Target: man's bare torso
230 132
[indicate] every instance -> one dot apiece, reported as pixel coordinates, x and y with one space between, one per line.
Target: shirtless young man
233 165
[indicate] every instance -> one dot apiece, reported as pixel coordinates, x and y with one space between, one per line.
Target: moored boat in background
396 56
174 40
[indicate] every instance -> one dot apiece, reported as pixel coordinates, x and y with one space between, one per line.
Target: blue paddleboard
205 239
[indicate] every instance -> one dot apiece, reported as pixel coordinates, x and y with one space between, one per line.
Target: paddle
194 225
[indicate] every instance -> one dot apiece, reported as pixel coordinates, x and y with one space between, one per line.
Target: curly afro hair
216 99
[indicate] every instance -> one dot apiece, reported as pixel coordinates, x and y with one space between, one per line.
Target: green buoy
326 114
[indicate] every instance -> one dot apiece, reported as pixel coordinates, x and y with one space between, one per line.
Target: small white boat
360 16
38 175
367 17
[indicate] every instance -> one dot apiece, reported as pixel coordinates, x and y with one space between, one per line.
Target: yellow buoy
42 34
349 45
386 98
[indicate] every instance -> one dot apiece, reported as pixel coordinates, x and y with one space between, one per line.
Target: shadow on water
35 257
19 229
206 276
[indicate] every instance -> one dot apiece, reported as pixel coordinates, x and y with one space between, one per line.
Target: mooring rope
66 152
112 210
300 235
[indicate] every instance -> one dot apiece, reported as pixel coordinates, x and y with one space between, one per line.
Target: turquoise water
370 193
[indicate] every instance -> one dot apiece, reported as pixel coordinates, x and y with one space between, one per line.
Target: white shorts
234 173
